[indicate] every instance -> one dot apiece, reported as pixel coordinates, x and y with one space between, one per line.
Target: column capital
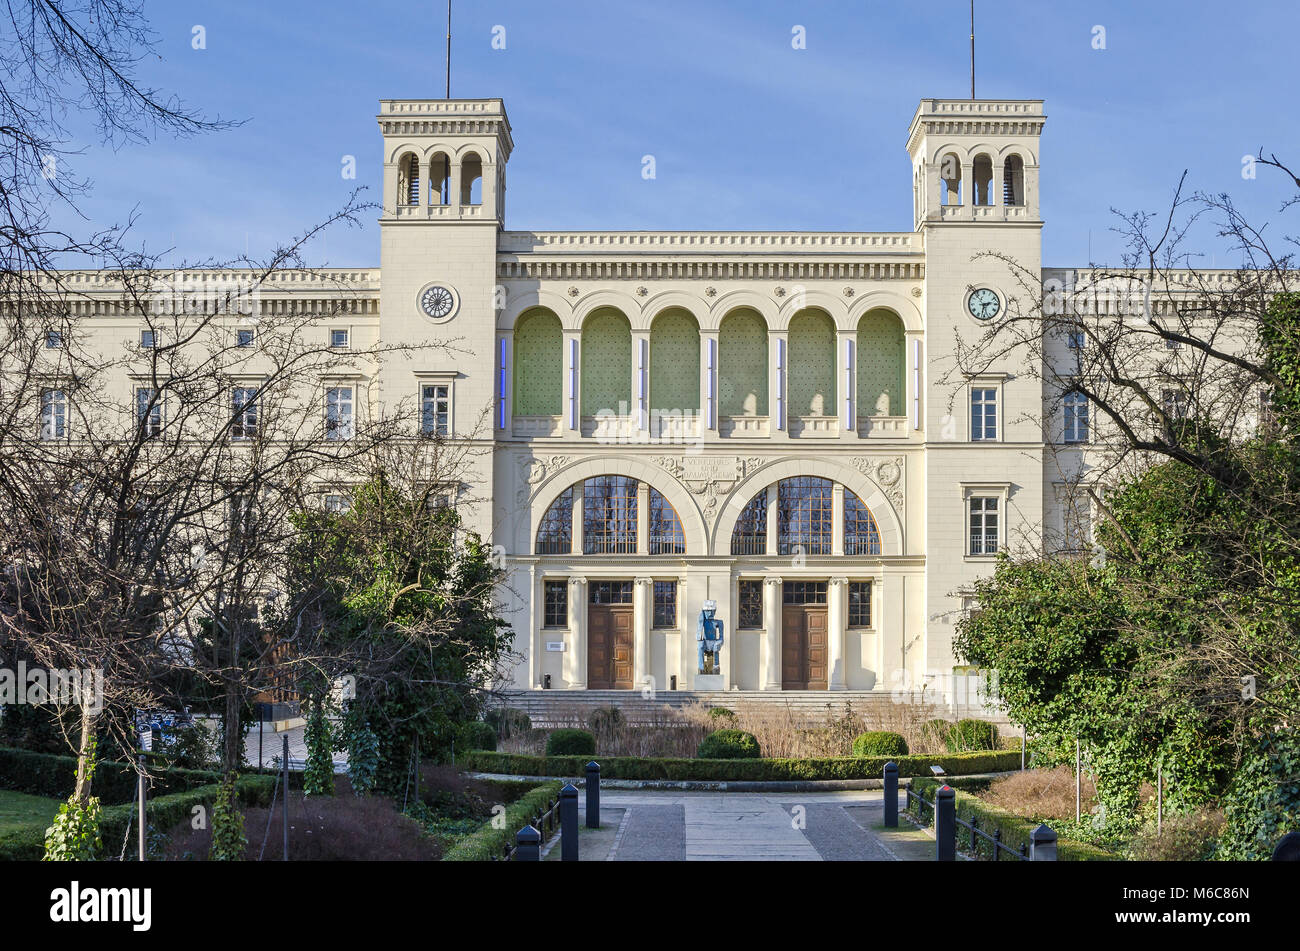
644 580
839 581
774 581
577 581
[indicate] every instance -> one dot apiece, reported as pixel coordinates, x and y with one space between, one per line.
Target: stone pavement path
660 825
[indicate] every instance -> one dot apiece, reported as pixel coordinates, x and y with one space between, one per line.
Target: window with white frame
1174 403
244 412
1075 339
53 340
148 410
339 423
244 337
338 338
148 339
1076 417
337 504
983 413
435 409
984 510
54 413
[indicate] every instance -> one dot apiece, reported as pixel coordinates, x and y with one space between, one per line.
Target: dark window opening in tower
982 172
1013 181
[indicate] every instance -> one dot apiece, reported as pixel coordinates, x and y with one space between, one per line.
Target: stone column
643 518
686 640
536 604
575 668
773 523
732 632
455 189
576 527
837 519
837 618
642 622
772 624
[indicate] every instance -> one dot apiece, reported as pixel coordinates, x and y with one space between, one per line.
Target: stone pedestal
709 682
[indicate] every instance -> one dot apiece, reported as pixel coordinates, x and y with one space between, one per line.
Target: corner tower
443 205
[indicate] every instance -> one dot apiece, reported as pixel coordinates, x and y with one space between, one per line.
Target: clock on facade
437 301
983 304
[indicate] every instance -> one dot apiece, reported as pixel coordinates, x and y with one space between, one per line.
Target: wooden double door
805 646
610 642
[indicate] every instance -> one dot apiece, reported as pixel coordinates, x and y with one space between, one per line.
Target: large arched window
811 380
881 364
610 512
803 516
861 536
539 365
408 179
675 364
471 179
555 534
742 364
982 172
607 364
749 537
950 179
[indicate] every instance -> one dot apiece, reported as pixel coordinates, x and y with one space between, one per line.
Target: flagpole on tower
448 96
972 46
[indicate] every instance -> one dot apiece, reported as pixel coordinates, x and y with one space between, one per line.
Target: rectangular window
244 337
859 604
243 405
804 592
148 410
1078 522
1075 340
148 339
53 340
1076 417
665 607
54 413
435 409
337 504
556 611
609 513
750 610
338 413
611 592
983 526
983 414
339 339
1174 403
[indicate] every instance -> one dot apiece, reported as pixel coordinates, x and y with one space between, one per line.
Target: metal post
945 824
1160 798
261 730
1078 781
569 823
891 795
284 765
1024 745
1042 845
528 845
593 795
143 796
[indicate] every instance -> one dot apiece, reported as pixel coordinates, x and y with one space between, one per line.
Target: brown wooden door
804 647
609 646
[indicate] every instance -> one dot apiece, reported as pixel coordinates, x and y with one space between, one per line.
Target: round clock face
983 304
437 301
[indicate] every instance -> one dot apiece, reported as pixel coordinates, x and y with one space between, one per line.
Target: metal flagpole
448 96
972 47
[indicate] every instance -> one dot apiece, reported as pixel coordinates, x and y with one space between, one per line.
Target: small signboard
557 646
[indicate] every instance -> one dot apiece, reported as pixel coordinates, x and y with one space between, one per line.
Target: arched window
675 364
607 364
749 537
803 516
881 364
555 534
408 179
471 179
742 364
539 365
609 516
440 179
1013 181
950 179
811 380
666 535
982 173
861 536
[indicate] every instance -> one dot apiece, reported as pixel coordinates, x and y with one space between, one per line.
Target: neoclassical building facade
750 418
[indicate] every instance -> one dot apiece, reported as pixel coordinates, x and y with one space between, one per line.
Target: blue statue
708 632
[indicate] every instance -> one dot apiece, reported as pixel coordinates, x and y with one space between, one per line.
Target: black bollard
1042 845
891 795
593 795
528 845
945 825
569 823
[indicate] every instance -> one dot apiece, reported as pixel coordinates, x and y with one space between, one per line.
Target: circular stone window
438 302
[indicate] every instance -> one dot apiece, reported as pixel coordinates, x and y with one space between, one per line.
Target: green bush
494 836
604 721
879 743
1015 830
968 735
729 744
53 776
476 735
935 732
743 770
723 715
1009 743
569 742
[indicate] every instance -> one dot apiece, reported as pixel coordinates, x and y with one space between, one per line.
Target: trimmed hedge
741 770
476 735
570 742
488 842
728 744
26 843
879 743
1015 830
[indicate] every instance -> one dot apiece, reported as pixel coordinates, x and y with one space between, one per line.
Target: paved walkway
660 825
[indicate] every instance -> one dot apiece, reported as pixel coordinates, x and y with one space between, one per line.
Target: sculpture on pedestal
708 633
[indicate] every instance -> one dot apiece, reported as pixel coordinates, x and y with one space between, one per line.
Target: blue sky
748 133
